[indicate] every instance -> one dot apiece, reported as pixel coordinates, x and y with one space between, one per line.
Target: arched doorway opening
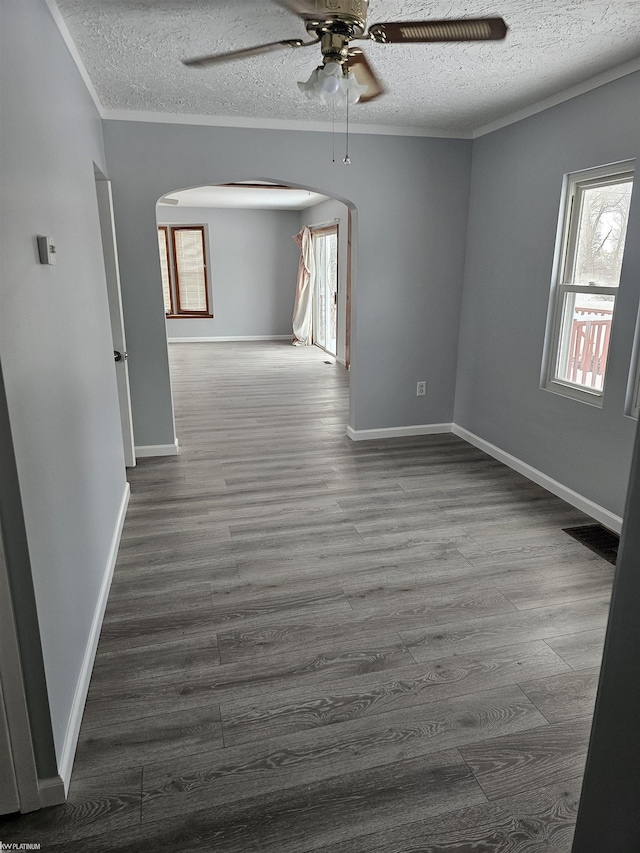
240 284
229 266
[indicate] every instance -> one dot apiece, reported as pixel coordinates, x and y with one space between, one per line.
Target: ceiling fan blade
463 29
213 58
365 75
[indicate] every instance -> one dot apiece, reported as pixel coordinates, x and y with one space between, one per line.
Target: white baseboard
599 513
589 507
397 432
157 449
227 339
65 765
52 791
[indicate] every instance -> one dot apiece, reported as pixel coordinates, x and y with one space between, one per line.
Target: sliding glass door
325 302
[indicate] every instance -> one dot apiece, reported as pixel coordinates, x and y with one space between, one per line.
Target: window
184 271
593 228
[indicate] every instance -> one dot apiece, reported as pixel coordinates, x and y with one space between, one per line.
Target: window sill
571 392
188 316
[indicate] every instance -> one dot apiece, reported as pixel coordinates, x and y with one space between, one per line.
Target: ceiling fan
335 24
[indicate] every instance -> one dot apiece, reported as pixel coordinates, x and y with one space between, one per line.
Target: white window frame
568 224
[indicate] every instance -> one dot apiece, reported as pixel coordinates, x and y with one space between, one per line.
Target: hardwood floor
313 644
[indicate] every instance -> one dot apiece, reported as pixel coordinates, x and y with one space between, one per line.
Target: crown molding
280 124
560 97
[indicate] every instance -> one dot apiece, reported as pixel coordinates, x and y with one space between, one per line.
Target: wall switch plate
46 250
421 389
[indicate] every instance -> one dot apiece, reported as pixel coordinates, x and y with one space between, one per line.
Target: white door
110 251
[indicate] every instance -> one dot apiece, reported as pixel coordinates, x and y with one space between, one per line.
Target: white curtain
303 306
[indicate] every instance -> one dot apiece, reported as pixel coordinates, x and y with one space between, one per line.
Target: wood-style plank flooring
313 644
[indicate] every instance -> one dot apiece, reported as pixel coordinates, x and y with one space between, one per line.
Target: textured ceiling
132 51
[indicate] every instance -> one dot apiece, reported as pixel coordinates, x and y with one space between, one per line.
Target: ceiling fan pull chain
347 159
333 131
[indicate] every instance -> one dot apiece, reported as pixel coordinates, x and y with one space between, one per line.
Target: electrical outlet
421 389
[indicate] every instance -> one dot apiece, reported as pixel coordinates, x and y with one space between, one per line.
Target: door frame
347 309
332 228
112 274
15 728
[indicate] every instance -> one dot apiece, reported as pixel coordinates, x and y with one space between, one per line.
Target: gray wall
515 198
411 236
252 267
319 214
55 339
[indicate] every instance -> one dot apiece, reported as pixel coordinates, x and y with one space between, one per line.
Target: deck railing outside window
589 346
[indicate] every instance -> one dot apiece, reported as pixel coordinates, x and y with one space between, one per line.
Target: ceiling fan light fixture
329 78
329 84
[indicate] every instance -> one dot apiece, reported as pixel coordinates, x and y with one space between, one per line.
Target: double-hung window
592 232
183 265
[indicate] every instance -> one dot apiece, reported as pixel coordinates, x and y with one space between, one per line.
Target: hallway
318 644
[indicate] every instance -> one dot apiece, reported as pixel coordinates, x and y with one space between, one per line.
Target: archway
236 237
